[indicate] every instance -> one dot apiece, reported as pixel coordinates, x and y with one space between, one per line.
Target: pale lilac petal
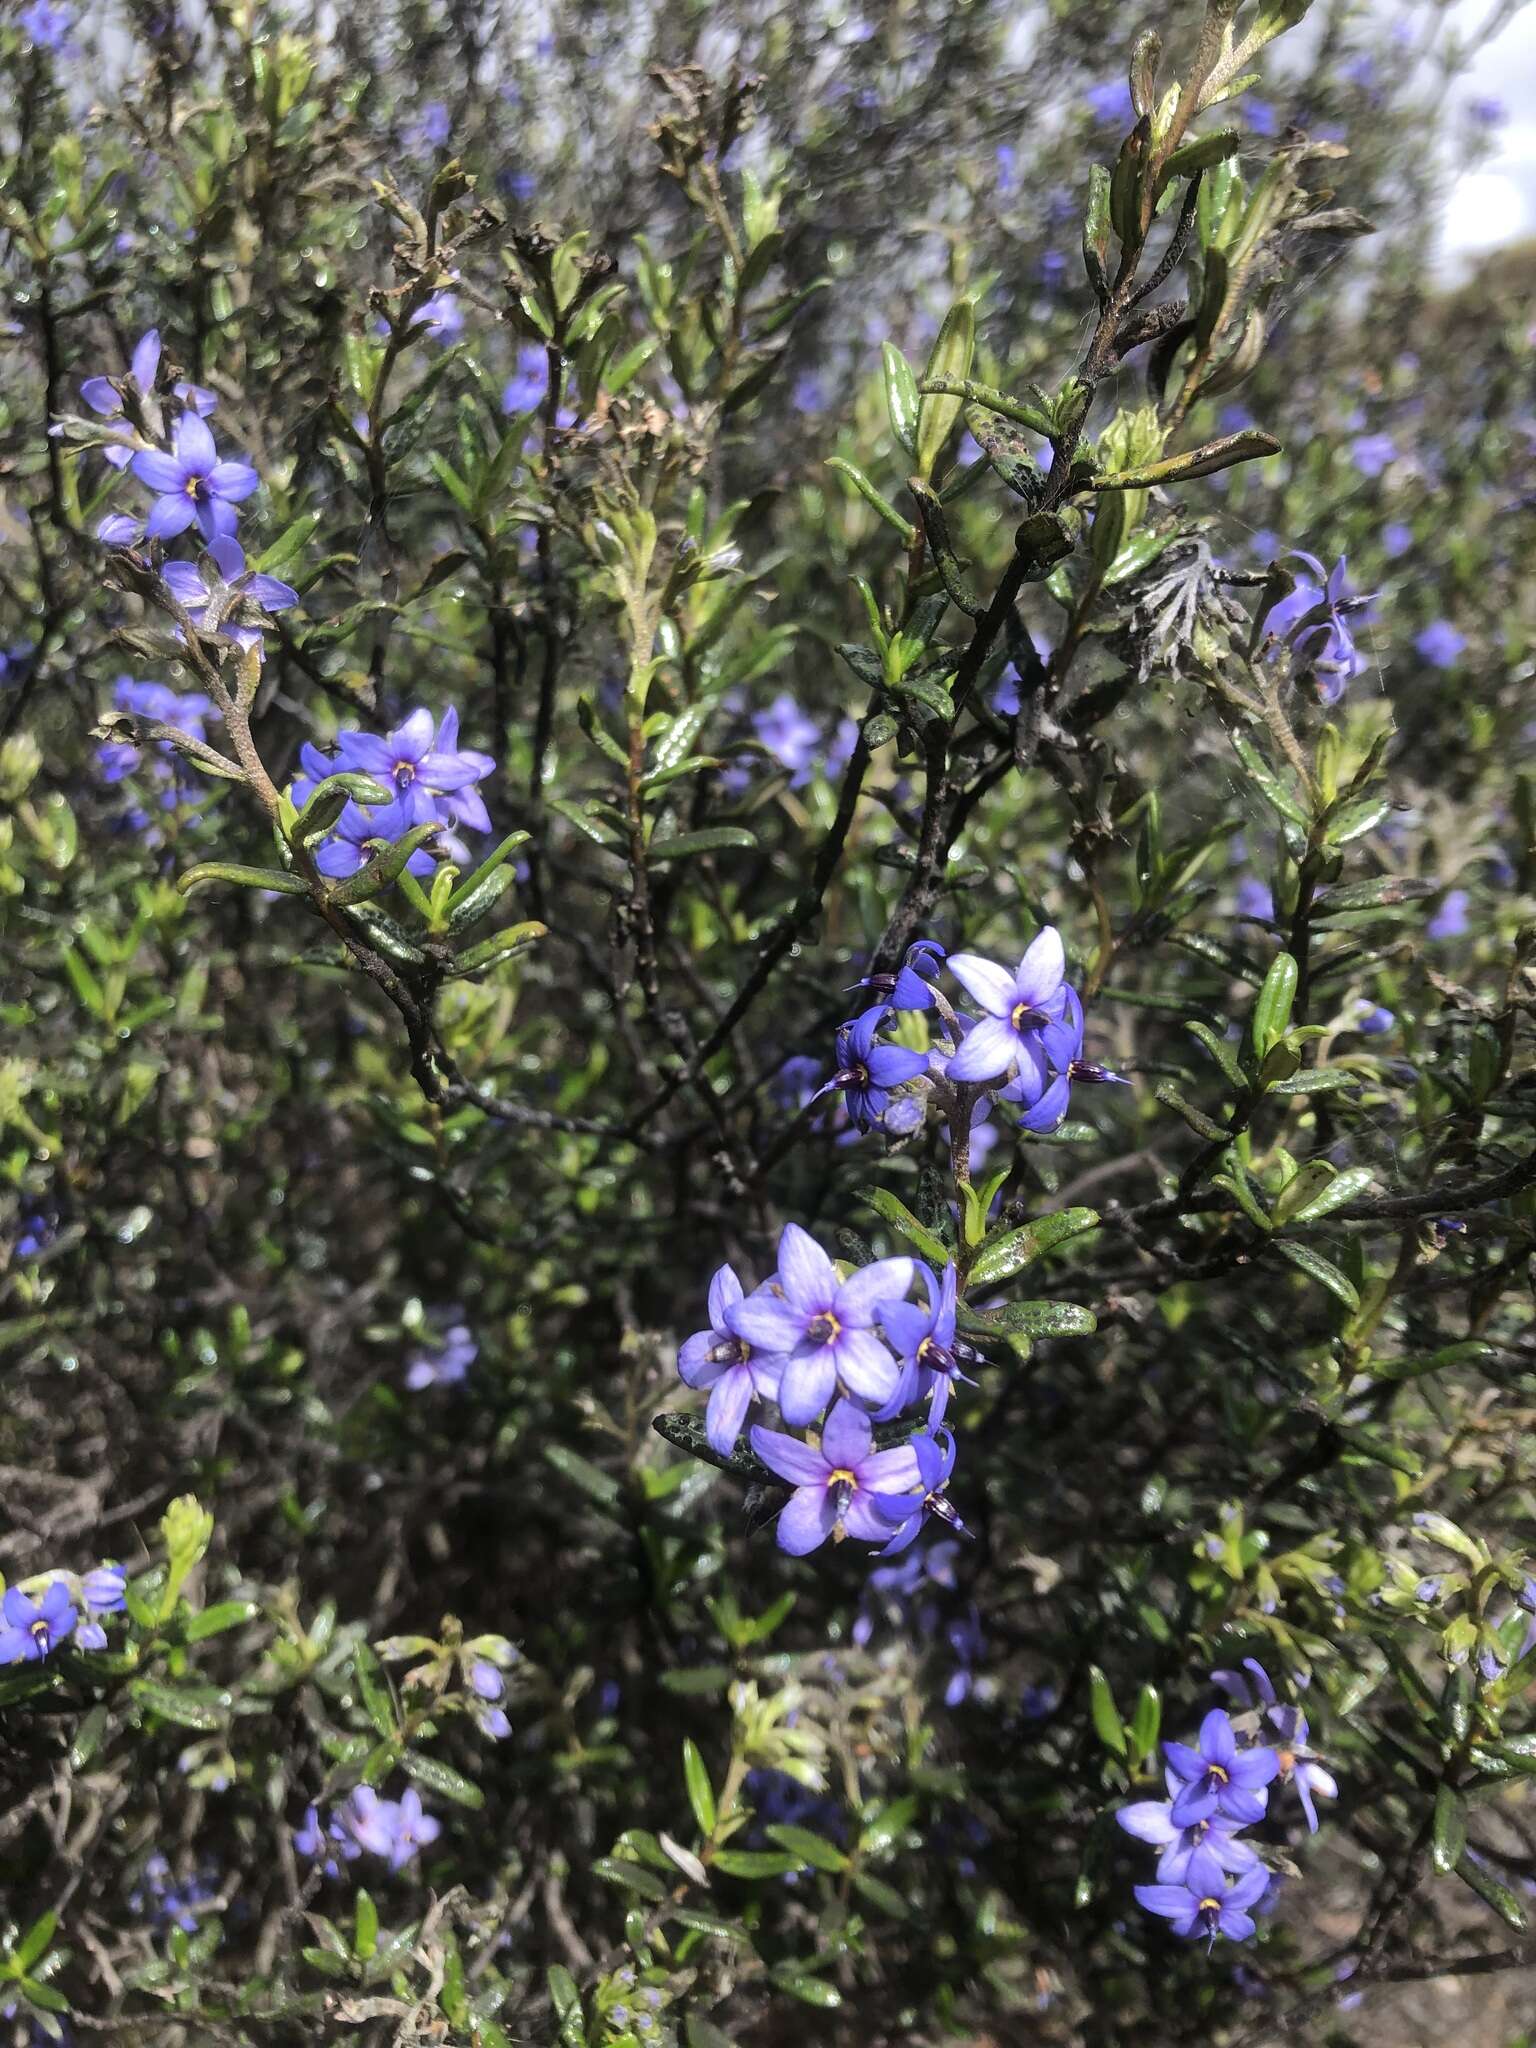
412 740
193 444
169 516
1218 1745
727 1410
805 1272
235 480
984 981
808 1384
146 359
892 1471
793 1460
160 472
845 1440
865 1521
100 396
768 1322
1041 969
865 1292
1148 1820
987 1051
725 1290
806 1522
865 1367
694 1363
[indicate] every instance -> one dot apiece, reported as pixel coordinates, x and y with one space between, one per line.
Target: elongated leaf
232 872
1380 894
809 1847
441 1779
701 1796
950 358
1322 1270
1107 1724
1272 1011
1035 1319
900 1217
1001 1257
901 396
717 839
1343 1188
873 498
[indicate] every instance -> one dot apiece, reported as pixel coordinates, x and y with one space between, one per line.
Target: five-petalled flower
733 1369
1218 1777
824 1327
191 483
1018 1005
839 1484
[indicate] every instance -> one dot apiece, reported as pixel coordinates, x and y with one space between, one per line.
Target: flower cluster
811 1341
391 1829
188 711
1314 622
1024 1048
434 779
1208 1878
61 1607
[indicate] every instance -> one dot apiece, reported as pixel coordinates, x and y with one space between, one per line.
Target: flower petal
725 1290
809 1382
805 1272
864 1366
793 1460
169 516
160 472
727 1410
1041 970
984 981
806 1522
865 1292
1149 1821
193 444
767 1322
846 1438
989 1050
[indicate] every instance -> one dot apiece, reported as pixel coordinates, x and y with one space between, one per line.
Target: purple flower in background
1254 899
1218 1777
808 394
837 1483
192 593
1111 102
924 1338
867 1071
1488 112
188 711
789 736
935 1456
391 1828
1006 158
1204 1902
1450 921
525 390
35 1232
1372 453
31 1628
1396 539
436 127
1261 116
47 27
117 530
196 398
442 317
823 1326
728 1364
102 395
191 483
1151 1820
1441 644
1314 620
1017 1005
1372 1019
444 1360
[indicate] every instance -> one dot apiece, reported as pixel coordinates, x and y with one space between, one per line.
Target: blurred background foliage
743 1795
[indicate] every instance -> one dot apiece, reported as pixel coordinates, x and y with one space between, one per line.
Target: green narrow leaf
213 1621
599 1485
1107 1723
1272 1010
1003 1256
439 1778
901 396
716 839
873 498
1492 1893
1322 1270
34 1941
950 358
701 1796
900 1217
809 1846
365 1926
